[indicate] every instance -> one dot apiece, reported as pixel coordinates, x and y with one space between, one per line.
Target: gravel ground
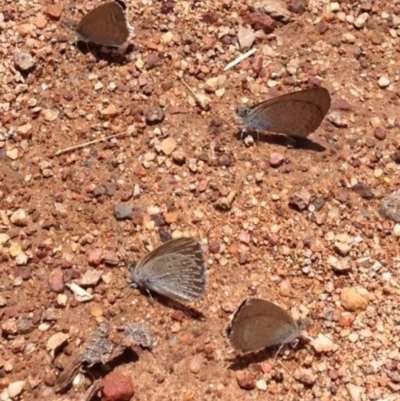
314 228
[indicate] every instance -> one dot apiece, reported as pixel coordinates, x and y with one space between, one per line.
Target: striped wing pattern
176 270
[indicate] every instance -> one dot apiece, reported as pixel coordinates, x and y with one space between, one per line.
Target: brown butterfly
105 25
295 114
259 324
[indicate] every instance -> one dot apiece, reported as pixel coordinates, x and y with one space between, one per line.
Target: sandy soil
301 228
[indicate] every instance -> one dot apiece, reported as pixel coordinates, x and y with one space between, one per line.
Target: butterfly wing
259 324
105 25
175 269
294 114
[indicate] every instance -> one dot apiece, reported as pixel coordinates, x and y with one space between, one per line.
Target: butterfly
258 324
295 114
176 269
106 25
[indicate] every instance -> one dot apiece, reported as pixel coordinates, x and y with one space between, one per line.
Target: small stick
90 393
82 145
240 59
66 377
204 107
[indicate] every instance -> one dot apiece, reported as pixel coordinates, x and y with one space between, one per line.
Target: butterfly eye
241 111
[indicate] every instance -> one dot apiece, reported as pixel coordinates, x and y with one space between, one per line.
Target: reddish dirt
174 174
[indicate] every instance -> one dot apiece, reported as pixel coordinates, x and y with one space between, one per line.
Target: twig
82 145
90 393
65 379
240 59
201 104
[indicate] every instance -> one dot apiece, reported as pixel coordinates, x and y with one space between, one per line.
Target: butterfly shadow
111 57
284 140
242 361
188 310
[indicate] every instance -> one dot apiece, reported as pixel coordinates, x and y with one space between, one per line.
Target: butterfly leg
294 345
244 130
278 352
150 298
291 142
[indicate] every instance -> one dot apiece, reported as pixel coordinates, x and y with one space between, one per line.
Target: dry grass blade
240 59
82 145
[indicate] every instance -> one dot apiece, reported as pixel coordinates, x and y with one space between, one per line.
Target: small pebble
390 207
24 61
245 380
56 280
276 160
261 385
117 387
354 391
168 145
91 277
4 238
352 300
95 257
277 10
380 134
9 326
15 249
300 200
62 300
54 10
110 111
363 190
195 364
285 288
383 82
12 154
24 326
305 376
19 218
15 388
55 342
323 344
298 6
154 115
50 114
123 211
246 37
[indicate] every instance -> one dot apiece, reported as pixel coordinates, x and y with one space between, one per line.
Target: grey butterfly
295 114
259 324
176 269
